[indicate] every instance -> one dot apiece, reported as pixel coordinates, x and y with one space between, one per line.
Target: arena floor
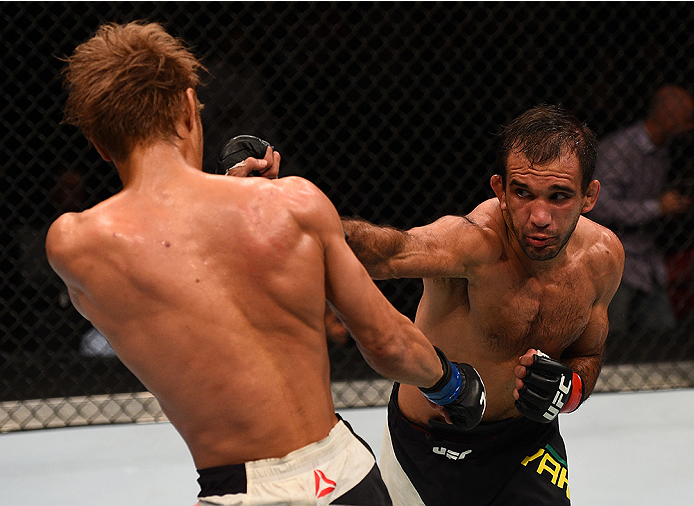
624 449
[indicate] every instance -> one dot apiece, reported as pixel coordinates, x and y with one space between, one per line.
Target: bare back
219 315
498 310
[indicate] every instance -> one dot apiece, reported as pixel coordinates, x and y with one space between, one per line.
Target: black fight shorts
514 462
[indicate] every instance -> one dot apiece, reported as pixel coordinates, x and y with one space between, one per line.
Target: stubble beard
540 254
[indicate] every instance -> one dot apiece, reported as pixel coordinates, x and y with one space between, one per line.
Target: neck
155 163
535 268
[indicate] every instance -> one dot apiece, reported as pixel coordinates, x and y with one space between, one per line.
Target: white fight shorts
339 469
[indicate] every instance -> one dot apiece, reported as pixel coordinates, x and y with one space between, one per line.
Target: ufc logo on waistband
440 450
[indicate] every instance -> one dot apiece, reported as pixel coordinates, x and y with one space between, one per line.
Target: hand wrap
550 387
461 391
237 149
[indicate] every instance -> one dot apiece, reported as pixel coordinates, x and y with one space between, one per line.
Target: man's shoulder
485 218
287 196
595 235
489 207
68 238
71 229
302 196
488 217
631 137
596 231
290 190
603 249
635 129
478 236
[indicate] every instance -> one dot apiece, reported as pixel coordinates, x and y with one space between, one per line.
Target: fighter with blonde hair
212 289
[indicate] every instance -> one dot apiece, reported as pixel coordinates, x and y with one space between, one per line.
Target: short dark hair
127 85
543 134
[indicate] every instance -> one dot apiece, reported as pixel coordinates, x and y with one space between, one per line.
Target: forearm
456 389
588 368
406 356
374 245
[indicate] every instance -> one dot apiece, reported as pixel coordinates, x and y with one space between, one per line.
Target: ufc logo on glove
550 387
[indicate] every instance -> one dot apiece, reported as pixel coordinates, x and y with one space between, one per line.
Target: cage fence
392 109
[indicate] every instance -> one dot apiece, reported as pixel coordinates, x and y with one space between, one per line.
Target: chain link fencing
392 109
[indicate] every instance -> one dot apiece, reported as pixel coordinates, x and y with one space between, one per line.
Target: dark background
392 109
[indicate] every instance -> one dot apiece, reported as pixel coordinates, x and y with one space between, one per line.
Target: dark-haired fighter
521 273
212 289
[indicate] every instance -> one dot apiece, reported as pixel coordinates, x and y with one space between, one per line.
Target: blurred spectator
632 167
47 321
681 281
53 325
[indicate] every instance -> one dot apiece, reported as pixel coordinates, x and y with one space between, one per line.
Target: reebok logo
450 454
323 485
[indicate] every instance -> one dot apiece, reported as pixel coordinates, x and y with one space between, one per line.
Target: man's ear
192 110
499 190
102 152
591 196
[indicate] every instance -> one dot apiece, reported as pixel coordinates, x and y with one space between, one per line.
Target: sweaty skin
212 290
507 279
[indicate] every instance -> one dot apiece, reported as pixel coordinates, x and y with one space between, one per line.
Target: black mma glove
237 149
550 387
461 391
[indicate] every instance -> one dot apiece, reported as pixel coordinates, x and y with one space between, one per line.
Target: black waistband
222 480
442 430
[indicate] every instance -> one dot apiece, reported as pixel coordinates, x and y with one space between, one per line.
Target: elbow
384 271
377 266
386 355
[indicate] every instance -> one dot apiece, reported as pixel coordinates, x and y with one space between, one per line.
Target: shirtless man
521 273
212 289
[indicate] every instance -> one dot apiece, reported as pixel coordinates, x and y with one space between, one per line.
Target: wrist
576 396
448 388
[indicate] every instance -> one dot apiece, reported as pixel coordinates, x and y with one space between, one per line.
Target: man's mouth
539 241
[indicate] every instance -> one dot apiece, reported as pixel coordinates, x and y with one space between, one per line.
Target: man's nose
540 215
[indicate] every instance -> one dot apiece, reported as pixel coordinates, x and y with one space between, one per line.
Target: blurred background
392 109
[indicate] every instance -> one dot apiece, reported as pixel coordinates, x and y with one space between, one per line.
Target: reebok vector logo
323 485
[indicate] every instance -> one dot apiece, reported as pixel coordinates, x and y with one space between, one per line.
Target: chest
515 313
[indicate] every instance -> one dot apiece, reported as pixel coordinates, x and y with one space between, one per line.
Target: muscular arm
388 340
65 256
547 385
375 246
443 249
586 355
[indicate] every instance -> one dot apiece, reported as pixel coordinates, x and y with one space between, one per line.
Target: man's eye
522 193
561 196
